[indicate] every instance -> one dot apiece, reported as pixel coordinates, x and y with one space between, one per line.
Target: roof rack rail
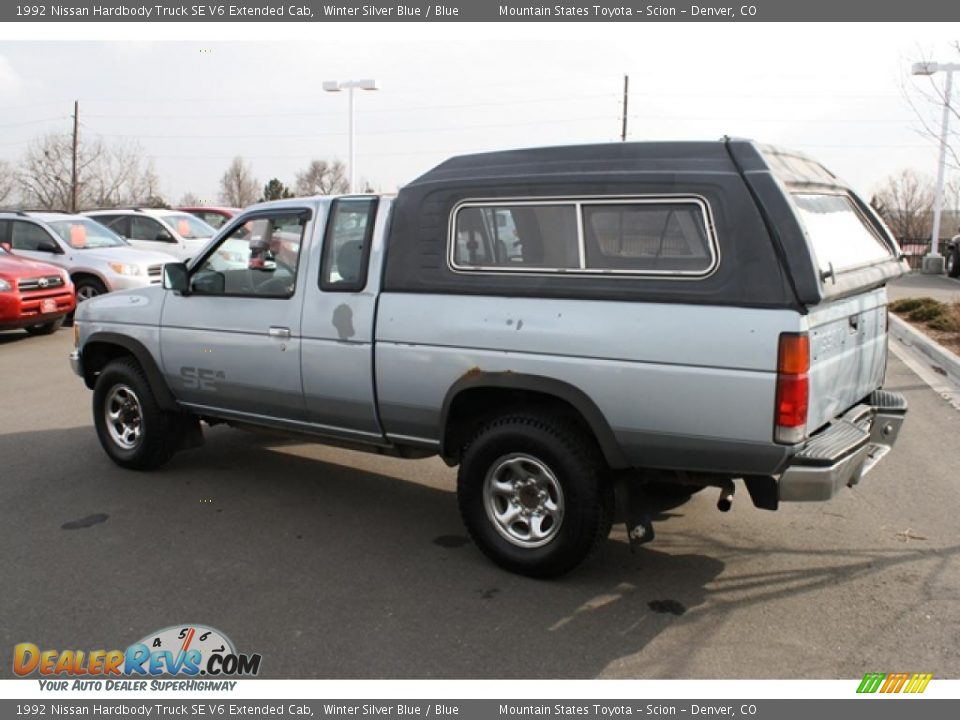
22 212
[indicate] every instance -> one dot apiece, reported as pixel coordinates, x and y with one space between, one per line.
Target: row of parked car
50 261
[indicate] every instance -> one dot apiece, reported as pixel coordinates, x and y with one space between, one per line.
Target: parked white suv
97 259
170 231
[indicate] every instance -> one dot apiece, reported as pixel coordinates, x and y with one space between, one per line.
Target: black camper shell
764 257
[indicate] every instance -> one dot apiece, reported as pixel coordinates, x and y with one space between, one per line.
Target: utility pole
73 164
626 88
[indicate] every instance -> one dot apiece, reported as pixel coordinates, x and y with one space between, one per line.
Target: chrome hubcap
124 417
523 500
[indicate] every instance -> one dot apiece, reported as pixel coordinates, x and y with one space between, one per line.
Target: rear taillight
793 388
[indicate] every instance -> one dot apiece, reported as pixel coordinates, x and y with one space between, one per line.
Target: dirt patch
937 320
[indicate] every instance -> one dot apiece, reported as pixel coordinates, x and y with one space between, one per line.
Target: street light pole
350 153
350 86
933 261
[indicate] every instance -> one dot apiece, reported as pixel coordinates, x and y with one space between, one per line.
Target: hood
126 255
21 267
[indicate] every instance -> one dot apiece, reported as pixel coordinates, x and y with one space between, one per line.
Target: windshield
81 234
840 234
188 227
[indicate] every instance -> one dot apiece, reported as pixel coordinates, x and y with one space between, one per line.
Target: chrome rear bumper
845 451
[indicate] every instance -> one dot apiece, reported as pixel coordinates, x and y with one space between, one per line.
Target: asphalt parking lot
333 564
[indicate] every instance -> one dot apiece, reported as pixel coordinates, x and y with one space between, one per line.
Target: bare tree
238 187
905 202
107 175
323 178
8 181
189 199
927 100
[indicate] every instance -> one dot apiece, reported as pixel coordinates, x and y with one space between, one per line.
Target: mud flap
763 491
635 507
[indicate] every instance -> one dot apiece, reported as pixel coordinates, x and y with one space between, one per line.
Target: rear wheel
131 427
532 494
953 263
46 328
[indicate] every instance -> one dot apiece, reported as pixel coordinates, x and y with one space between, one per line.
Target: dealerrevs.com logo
179 651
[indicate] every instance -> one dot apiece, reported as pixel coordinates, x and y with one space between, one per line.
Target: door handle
279 332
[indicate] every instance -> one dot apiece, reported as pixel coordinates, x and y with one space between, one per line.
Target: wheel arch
86 272
478 393
103 347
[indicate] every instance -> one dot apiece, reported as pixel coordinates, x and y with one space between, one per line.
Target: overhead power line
260 136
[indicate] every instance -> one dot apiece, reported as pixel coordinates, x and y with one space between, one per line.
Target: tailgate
848 351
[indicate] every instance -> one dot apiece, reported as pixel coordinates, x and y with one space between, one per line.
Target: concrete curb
941 359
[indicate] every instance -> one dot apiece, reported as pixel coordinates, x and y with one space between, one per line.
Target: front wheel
88 287
532 494
46 328
953 263
131 427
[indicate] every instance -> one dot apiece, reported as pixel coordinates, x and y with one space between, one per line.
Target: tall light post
350 86
933 261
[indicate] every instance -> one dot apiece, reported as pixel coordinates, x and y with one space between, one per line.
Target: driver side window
30 237
256 259
143 228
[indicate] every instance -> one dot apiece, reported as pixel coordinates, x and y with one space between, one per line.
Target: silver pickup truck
579 329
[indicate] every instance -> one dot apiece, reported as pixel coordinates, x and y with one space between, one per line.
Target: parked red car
33 295
213 216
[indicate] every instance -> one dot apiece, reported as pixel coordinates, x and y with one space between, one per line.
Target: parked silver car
157 229
98 260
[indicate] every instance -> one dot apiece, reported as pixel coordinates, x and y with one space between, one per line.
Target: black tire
46 328
155 442
953 263
88 287
571 461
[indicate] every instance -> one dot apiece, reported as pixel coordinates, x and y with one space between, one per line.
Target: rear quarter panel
682 386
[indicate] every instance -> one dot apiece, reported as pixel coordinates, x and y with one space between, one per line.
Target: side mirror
175 278
164 236
48 246
7 246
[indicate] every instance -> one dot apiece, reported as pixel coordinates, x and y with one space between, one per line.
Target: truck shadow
327 570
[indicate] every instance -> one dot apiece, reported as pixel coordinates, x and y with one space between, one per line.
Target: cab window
346 245
258 258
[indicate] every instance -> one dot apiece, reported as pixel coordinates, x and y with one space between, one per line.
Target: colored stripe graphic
895 682
871 682
918 683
